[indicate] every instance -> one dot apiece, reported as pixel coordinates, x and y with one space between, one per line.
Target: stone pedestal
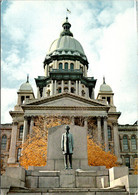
67 179
55 157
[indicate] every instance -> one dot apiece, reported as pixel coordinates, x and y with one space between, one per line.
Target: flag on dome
68 11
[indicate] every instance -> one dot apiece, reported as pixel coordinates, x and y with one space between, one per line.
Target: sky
106 30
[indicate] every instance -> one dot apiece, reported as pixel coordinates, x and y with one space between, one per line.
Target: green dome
66 45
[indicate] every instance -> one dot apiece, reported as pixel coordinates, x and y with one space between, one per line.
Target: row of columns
28 127
54 87
99 127
105 130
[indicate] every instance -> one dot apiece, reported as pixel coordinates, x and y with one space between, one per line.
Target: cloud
8 101
106 30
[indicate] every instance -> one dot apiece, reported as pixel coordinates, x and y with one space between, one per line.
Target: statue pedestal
67 178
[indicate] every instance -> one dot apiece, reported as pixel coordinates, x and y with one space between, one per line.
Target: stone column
55 88
129 142
116 140
131 162
92 94
72 120
86 122
31 125
105 134
52 87
62 86
99 129
12 156
79 87
69 86
76 87
38 93
25 129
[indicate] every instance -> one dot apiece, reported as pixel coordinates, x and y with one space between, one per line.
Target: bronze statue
67 147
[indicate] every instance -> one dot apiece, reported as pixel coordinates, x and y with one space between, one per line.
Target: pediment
67 100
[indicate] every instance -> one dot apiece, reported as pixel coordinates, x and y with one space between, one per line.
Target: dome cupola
66 47
66 29
25 93
104 87
106 93
26 86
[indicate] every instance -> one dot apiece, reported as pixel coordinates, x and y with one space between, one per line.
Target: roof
26 87
66 44
104 87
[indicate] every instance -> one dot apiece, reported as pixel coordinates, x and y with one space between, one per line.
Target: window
103 98
22 99
18 154
60 66
72 66
27 96
127 162
108 100
125 142
72 90
48 93
59 82
83 93
4 142
66 82
21 132
59 90
109 133
66 89
133 142
66 66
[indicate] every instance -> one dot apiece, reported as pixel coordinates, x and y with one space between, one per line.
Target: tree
136 166
34 150
98 157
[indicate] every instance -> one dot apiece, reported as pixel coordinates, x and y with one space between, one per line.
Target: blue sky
106 29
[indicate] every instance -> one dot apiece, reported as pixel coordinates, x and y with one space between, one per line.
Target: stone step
64 191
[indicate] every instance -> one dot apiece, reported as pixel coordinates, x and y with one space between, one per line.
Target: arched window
59 90
21 132
48 92
83 93
127 161
66 89
72 66
125 142
18 154
109 133
66 66
4 142
72 90
60 66
133 142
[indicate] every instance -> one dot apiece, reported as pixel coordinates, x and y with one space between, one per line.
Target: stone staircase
64 191
64 182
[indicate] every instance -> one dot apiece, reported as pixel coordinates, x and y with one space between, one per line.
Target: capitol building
65 90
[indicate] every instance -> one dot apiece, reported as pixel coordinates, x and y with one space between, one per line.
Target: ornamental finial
27 78
104 80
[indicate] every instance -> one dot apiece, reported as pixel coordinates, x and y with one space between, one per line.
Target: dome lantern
66 29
